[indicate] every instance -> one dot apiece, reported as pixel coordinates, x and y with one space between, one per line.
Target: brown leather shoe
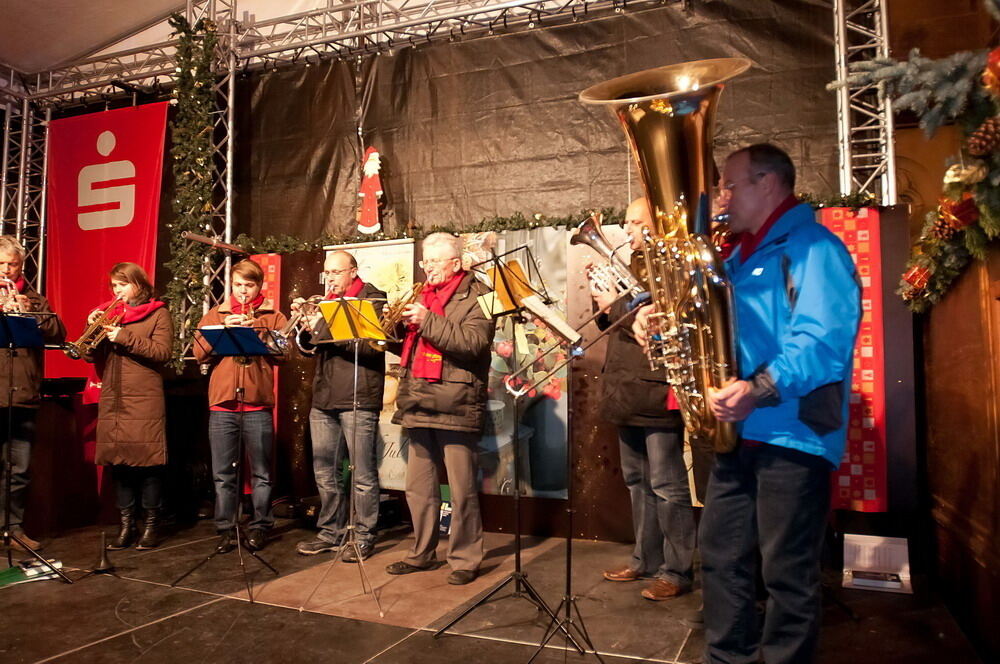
621 574
660 590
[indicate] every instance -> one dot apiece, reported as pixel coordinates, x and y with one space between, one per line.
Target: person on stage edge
131 413
246 307
334 425
651 445
442 403
27 378
797 303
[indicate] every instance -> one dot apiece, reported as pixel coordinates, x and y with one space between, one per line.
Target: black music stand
517 283
17 331
361 326
240 343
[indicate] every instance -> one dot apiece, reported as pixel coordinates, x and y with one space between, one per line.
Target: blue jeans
258 437
662 517
332 432
22 434
776 500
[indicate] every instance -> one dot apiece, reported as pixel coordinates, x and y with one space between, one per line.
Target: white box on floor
877 563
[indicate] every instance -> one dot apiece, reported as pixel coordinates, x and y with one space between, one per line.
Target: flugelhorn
668 116
95 332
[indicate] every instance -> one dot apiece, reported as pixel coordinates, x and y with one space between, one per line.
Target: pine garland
964 89
192 154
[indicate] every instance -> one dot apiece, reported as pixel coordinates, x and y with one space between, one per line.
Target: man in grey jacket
441 403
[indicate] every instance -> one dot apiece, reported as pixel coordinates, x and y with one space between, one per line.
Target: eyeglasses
752 179
433 262
336 273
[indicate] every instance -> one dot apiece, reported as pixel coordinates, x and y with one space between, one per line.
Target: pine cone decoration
986 139
942 229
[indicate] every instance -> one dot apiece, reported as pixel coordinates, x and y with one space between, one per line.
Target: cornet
95 332
280 339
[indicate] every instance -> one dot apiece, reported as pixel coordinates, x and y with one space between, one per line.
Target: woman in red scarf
131 435
246 307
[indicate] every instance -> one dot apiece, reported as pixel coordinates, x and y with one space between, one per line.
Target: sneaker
315 546
365 548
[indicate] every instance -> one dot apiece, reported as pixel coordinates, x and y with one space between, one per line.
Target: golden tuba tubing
95 333
668 116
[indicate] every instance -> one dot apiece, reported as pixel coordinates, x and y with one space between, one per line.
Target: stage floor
315 611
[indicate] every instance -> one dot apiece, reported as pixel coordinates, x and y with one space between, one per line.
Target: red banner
104 178
860 482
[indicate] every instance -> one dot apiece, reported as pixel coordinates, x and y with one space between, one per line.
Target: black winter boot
126 532
150 534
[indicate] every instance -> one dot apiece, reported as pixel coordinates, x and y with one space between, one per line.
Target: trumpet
613 275
393 314
95 332
279 340
8 297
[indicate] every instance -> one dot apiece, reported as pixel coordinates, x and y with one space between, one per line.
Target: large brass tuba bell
668 117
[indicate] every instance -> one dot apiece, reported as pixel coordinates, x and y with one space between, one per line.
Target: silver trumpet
8 297
613 275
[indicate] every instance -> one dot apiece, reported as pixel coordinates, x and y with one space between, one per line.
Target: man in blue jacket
797 304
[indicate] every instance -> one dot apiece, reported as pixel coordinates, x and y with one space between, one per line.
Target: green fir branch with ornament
192 152
963 89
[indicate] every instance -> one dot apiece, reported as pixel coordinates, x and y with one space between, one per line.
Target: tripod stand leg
567 625
559 625
475 606
188 573
9 536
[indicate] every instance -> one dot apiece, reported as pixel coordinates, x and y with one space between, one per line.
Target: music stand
17 331
351 320
239 343
512 287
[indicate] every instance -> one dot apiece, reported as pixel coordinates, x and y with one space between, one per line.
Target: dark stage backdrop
492 126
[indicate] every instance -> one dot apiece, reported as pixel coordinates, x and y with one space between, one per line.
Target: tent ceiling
36 36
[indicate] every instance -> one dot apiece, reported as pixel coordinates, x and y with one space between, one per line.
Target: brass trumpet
280 339
95 332
393 314
8 296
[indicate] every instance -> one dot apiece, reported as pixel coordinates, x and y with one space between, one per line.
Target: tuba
668 115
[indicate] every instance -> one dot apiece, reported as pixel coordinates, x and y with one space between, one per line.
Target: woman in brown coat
131 435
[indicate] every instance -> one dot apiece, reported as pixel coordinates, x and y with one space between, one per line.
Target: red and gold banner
860 483
104 177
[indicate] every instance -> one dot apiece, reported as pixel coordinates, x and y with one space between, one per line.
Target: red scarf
427 359
133 313
352 290
237 307
750 241
21 284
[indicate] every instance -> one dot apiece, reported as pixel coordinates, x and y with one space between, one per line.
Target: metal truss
864 113
22 182
369 26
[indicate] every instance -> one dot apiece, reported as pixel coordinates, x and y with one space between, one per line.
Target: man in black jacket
650 439
332 422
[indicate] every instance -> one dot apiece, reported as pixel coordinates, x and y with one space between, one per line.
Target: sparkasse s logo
106 192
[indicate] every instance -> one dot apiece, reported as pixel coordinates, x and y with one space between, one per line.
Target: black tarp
492 126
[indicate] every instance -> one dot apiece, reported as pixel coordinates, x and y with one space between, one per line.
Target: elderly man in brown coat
441 403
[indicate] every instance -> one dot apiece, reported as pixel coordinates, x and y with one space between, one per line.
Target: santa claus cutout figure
370 193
